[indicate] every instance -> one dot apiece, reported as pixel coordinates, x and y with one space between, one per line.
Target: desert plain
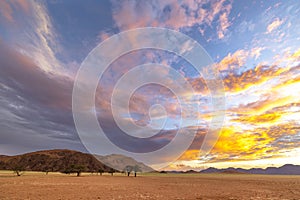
37 185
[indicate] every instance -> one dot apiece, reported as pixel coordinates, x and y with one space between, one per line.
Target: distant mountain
52 160
190 172
283 170
119 162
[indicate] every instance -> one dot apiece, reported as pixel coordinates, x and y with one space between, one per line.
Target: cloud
235 144
6 11
233 61
224 22
36 107
192 154
36 36
259 119
25 76
262 112
256 52
9 9
39 103
258 77
236 60
245 26
274 25
295 56
172 14
262 101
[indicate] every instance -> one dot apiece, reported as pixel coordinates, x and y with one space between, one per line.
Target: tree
112 171
18 169
46 170
128 169
100 171
78 169
74 169
136 169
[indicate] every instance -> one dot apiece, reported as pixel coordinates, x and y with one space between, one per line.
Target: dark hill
52 160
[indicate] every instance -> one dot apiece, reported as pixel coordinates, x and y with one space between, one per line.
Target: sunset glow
255 46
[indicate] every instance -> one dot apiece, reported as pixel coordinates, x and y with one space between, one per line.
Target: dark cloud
35 106
23 76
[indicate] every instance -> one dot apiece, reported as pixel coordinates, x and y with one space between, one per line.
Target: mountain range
287 169
60 160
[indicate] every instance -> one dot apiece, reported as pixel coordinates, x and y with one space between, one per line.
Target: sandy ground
211 186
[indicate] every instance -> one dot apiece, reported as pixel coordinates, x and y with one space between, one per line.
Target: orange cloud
254 77
192 154
259 119
235 144
263 128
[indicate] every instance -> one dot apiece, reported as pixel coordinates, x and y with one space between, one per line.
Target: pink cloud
232 61
224 24
172 14
6 11
7 8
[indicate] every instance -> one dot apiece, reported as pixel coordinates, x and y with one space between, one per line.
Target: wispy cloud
36 37
274 25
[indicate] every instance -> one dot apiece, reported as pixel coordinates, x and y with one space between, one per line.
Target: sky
255 46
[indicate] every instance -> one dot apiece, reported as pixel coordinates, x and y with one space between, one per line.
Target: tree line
78 169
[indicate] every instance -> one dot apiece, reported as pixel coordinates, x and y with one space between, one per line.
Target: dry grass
37 185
